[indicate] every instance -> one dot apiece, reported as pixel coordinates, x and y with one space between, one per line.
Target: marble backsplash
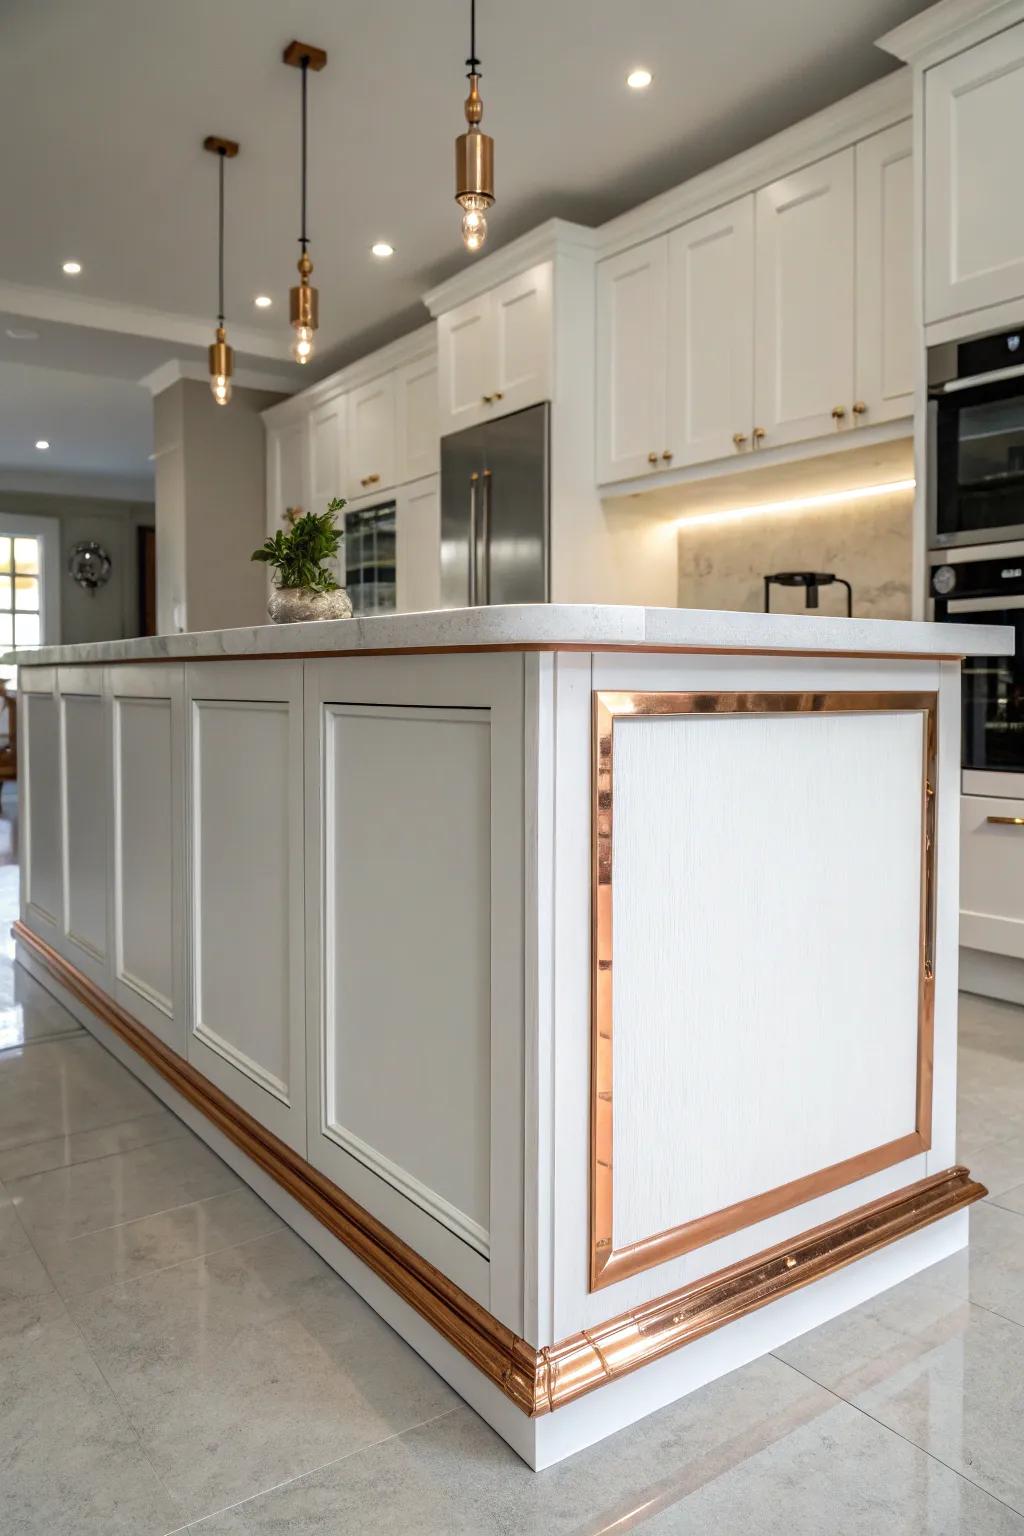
867 541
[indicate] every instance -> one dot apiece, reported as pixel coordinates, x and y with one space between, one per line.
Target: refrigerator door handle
485 535
473 482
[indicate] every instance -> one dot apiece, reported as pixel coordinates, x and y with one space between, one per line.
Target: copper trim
609 1264
536 1381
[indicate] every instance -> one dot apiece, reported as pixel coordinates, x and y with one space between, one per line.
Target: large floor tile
1000 1164
135 1248
67 1203
83 1146
28 1012
762 1451
945 1374
252 1366
990 1270
70 1464
57 1087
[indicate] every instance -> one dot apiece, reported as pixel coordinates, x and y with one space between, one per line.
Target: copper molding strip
609 1264
536 1381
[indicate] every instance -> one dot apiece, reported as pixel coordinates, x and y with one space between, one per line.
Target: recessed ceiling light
639 79
42 444
263 301
72 268
21 333
381 248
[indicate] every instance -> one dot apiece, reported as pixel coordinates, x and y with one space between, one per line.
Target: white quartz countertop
551 625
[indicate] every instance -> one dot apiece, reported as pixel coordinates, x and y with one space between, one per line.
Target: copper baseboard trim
536 1381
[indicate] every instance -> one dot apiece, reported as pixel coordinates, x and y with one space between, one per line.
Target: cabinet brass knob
487 399
498 395
838 412
739 438
859 408
369 480
759 433
667 455
652 458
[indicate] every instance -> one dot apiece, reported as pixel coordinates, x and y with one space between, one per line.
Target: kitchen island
579 982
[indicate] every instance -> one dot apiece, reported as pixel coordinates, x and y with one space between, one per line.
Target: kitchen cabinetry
992 875
973 217
418 546
372 446
691 369
327 451
494 351
416 419
288 469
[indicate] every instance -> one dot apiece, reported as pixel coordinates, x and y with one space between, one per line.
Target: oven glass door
993 697
980 462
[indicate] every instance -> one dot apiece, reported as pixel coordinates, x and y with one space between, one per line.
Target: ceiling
106 103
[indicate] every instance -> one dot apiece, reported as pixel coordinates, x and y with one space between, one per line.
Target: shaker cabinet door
631 361
711 336
521 329
805 303
465 347
372 436
416 416
288 471
885 287
327 452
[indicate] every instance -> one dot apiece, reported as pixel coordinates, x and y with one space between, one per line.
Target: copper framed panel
607 1263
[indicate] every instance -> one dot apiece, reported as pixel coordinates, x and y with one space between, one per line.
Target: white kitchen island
580 982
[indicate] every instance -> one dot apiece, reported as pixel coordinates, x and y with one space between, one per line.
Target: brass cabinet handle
759 433
859 408
667 455
369 480
498 395
487 399
838 412
739 438
1006 821
652 458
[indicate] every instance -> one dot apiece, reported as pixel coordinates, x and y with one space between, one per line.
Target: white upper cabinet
372 436
885 299
632 355
710 336
288 470
327 452
416 416
805 303
494 351
973 214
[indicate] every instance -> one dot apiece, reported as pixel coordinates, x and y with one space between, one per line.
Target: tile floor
173 1358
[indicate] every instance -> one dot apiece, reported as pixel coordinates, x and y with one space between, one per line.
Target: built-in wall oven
985 585
976 441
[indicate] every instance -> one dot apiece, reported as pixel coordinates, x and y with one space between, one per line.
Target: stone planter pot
297 605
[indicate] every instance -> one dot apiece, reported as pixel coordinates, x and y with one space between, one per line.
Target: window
20 591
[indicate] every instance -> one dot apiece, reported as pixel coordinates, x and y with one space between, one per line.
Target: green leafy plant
298 556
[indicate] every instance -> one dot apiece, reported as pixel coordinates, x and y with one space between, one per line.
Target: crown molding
949 28
243 378
540 244
49 304
409 348
877 106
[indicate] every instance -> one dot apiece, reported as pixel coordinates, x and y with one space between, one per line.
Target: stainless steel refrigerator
494 512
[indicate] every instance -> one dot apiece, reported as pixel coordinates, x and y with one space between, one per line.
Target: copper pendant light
474 156
304 309
222 357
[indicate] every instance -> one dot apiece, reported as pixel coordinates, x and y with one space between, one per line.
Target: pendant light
304 310
474 156
222 357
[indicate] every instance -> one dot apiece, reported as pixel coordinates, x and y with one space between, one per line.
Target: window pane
26 592
26 628
6 623
5 592
26 556
5 554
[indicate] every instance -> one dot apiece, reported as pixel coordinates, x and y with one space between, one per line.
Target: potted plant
303 587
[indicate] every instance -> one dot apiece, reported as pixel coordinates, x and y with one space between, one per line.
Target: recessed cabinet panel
465 348
372 436
86 780
407 1010
885 298
418 546
991 876
805 302
144 837
711 335
288 471
522 340
41 732
418 442
631 361
246 904
974 217
327 444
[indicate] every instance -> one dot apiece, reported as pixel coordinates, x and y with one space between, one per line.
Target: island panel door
85 816
42 899
246 1015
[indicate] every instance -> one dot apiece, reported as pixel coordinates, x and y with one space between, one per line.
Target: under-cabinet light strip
798 504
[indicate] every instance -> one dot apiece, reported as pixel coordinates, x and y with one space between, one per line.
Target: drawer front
992 875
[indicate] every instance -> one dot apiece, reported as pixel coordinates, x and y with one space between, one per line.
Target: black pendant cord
304 238
220 244
472 63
